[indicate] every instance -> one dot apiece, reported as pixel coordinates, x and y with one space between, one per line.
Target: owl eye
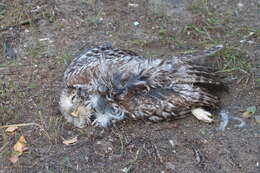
92 117
78 91
73 97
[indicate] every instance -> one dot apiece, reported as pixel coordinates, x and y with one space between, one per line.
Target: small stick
20 125
158 153
198 155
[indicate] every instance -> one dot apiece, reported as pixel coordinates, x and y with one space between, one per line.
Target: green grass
234 60
49 15
36 50
65 58
139 43
51 126
200 7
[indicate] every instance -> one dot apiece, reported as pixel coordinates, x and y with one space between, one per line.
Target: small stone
170 166
125 169
44 39
172 143
240 5
257 119
133 5
136 23
101 19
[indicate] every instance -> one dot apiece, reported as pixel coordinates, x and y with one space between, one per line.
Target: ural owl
105 84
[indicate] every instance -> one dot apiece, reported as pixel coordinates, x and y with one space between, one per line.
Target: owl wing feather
159 104
85 66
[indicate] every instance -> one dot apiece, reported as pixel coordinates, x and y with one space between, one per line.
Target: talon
202 115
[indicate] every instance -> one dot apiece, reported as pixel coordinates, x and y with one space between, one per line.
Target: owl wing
140 76
187 69
88 65
159 104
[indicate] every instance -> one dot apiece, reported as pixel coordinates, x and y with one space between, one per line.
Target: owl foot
202 115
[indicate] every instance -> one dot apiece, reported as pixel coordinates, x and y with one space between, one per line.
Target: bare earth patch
39 39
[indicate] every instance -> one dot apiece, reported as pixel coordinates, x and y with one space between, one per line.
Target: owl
104 85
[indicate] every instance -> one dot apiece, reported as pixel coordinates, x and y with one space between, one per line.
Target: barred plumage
106 84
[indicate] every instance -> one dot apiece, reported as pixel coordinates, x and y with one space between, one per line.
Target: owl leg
202 115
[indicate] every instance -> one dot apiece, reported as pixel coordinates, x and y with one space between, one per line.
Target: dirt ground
38 40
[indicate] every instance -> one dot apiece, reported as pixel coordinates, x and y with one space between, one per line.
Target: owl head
82 110
74 109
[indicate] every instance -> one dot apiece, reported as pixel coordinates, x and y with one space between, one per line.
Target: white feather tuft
65 102
202 115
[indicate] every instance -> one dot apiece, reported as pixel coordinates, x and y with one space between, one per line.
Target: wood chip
20 145
70 141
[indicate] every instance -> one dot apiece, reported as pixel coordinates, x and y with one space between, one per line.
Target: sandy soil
47 34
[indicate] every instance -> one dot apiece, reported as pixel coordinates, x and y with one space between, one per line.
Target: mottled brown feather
117 82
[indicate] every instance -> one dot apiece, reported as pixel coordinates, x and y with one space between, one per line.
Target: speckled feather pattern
115 84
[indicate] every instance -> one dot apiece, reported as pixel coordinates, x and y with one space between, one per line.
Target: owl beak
75 113
202 115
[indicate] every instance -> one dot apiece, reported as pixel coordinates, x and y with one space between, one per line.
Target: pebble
136 23
133 5
172 143
170 166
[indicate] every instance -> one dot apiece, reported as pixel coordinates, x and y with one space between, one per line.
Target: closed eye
92 117
73 97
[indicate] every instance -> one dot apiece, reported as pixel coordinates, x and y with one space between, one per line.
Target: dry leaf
14 159
70 141
249 112
246 115
22 139
11 129
20 145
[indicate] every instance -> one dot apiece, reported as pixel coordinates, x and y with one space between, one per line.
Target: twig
132 162
121 141
27 21
3 147
198 155
158 153
20 125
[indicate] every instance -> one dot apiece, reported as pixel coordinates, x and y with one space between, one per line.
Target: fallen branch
20 125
